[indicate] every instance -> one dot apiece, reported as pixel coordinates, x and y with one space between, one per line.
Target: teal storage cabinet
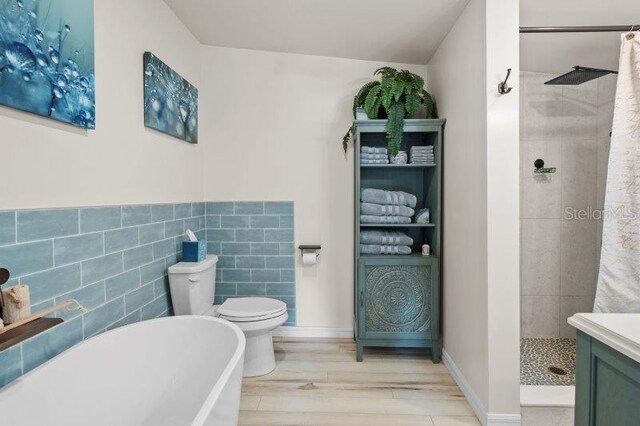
397 297
607 385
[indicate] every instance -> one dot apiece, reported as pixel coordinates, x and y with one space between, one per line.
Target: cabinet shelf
412 256
397 225
398 166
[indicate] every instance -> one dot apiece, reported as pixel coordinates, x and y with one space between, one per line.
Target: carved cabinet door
396 299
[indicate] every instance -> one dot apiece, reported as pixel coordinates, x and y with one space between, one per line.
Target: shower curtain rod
584 29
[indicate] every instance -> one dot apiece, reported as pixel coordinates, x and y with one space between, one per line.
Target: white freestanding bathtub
170 371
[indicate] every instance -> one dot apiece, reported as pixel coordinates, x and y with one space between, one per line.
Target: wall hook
503 87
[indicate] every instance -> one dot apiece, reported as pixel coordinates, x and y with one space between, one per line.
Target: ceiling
559 52
404 31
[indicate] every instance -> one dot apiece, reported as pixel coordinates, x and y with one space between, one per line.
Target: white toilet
192 290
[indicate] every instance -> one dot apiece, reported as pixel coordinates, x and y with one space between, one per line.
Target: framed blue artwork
170 101
47 59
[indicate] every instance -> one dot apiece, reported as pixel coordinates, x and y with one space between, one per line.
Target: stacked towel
373 150
378 249
388 198
372 155
384 210
422 155
368 219
384 238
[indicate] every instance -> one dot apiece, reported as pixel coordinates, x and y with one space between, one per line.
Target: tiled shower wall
254 243
569 128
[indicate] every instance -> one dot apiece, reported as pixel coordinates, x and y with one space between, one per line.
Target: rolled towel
373 150
385 210
373 157
384 219
423 216
374 161
377 249
380 196
384 238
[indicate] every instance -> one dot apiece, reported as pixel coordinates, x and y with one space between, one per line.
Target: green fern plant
396 96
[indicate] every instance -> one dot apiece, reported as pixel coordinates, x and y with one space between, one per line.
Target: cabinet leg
436 354
359 351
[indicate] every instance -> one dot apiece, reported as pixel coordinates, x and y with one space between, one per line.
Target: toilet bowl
192 287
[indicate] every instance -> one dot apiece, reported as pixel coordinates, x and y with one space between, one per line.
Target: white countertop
619 331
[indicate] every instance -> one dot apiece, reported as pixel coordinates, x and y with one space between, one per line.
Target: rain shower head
579 75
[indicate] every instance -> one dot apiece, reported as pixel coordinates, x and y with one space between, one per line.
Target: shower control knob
538 164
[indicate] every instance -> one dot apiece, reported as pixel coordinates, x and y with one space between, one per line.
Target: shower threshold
547 377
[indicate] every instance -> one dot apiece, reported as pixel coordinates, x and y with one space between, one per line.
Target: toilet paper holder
310 248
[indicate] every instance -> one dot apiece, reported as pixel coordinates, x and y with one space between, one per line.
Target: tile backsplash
255 245
113 260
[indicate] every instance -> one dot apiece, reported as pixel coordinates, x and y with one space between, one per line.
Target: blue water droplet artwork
170 101
47 59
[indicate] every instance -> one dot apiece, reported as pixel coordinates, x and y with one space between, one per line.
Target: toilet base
259 358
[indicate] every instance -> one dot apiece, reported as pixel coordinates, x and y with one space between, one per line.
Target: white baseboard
487 419
314 332
503 419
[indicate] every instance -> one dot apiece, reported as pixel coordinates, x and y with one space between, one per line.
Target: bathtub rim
212 398
204 411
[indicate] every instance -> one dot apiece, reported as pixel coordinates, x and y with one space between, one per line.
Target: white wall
481 232
276 123
49 164
457 79
503 208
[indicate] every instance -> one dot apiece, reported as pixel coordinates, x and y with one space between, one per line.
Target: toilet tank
193 285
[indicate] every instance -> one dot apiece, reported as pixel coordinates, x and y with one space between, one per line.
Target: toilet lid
252 308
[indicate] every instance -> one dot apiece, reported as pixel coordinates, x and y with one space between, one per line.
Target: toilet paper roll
309 258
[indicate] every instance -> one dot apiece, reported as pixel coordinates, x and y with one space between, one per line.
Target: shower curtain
619 276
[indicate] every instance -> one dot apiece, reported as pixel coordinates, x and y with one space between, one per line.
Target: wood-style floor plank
318 382
390 379
364 405
388 366
250 403
455 421
428 392
283 418
314 390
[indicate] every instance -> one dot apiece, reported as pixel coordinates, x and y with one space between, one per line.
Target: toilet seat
250 309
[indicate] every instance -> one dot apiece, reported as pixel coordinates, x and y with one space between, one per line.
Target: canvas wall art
47 59
170 101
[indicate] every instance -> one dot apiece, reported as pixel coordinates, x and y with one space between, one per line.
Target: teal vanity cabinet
397 297
607 369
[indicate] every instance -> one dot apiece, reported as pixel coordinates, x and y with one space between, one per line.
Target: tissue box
194 251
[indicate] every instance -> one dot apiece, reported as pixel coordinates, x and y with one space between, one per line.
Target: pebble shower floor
538 355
